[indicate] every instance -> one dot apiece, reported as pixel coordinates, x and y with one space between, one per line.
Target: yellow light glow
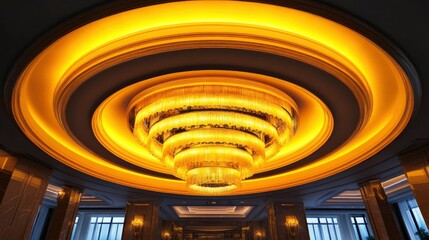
372 75
291 221
312 132
247 141
291 224
213 134
137 223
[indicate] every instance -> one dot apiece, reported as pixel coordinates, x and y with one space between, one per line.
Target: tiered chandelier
213 135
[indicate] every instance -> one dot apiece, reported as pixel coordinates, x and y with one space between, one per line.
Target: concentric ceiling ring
367 70
111 123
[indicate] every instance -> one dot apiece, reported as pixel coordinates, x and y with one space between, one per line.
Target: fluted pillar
416 167
62 222
382 221
23 185
287 221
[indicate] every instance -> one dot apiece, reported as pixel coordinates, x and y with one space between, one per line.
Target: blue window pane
73 232
118 220
337 231
332 232
311 232
412 203
104 231
356 232
119 232
90 231
323 228
363 231
360 227
112 232
325 232
76 220
101 227
96 232
360 220
419 218
318 233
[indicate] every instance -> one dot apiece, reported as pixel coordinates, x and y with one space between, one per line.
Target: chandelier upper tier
213 135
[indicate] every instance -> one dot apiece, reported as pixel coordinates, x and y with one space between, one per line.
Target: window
415 214
74 227
105 228
413 219
323 228
98 226
360 227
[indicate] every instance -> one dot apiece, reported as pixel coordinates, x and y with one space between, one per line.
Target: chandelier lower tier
213 135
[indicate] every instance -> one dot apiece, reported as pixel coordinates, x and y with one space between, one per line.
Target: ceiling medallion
109 151
213 135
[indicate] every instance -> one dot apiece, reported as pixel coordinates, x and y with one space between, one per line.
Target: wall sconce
61 194
166 236
291 224
258 235
137 225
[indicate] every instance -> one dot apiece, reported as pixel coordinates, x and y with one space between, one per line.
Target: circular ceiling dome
339 82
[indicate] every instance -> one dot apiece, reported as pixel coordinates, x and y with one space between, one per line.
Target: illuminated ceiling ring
111 123
369 71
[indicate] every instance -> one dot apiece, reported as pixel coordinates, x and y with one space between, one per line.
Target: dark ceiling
24 24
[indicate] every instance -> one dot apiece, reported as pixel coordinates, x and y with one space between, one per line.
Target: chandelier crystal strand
212 135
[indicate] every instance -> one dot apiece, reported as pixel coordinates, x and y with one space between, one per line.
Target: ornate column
7 165
416 167
62 222
141 221
287 220
23 186
382 221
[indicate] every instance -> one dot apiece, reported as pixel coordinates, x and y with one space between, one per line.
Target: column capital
62 222
415 163
382 220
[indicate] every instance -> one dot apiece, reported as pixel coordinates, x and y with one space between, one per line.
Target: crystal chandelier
213 135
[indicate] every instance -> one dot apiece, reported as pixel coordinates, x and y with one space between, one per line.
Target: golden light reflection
137 227
213 134
418 176
111 123
291 225
372 75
